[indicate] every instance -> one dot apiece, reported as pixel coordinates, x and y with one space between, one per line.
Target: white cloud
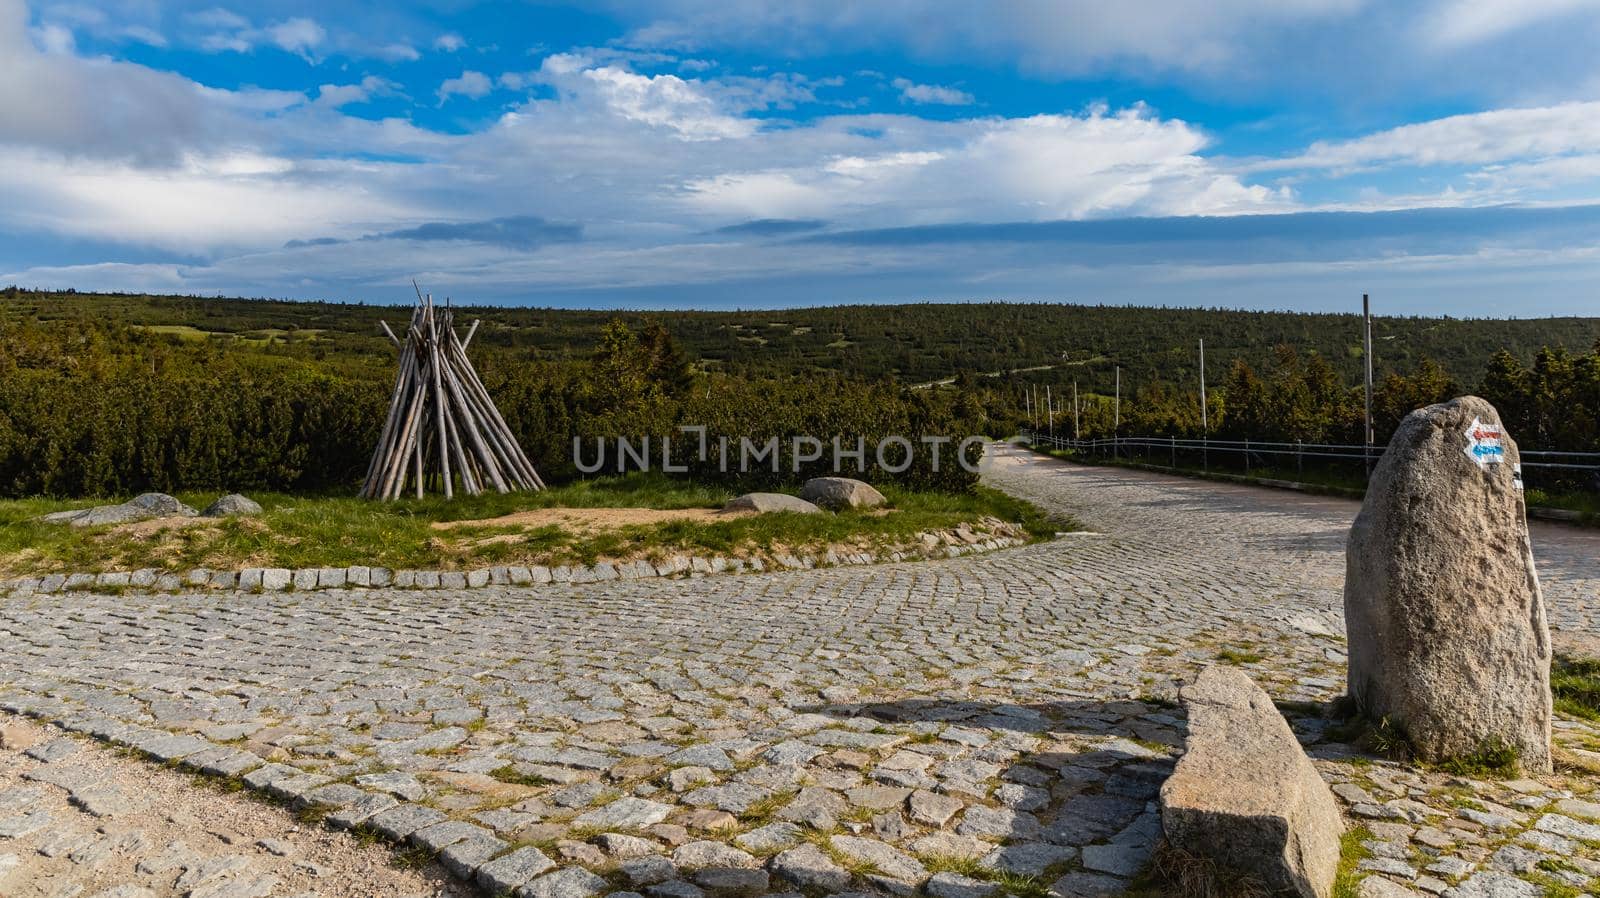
469 84
56 39
663 101
205 204
298 35
334 96
994 169
911 92
1457 23
397 52
449 42
1476 138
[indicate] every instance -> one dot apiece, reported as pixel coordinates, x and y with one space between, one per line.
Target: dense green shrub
95 408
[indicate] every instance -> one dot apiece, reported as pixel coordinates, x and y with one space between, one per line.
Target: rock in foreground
841 492
139 508
230 505
1446 620
766 503
1245 796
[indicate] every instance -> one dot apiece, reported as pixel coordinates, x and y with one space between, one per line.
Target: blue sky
1443 155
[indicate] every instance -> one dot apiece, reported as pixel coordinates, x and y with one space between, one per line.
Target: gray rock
403 820
465 856
841 492
1446 620
648 870
1027 858
513 870
699 855
275 579
732 881
1495 885
954 885
1087 885
568 882
807 867
627 813
1245 795
139 508
886 859
767 503
769 838
1378 887
230 505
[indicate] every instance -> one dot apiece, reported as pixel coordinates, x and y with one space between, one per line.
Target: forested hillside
908 343
113 394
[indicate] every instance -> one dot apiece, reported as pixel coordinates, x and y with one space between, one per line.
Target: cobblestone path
897 727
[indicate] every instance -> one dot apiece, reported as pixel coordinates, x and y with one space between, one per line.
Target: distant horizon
440 298
1443 156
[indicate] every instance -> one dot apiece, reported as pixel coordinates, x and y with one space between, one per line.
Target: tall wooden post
1116 425
1077 434
1366 357
1050 414
1205 424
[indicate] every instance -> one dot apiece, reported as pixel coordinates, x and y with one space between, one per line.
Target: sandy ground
149 813
594 520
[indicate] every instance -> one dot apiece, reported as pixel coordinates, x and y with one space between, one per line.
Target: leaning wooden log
442 428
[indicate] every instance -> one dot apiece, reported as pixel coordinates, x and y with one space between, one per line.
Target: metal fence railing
1266 452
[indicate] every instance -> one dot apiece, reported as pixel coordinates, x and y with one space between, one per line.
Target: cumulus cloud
334 96
1457 23
911 92
449 42
1096 164
649 181
397 52
1481 137
298 35
467 84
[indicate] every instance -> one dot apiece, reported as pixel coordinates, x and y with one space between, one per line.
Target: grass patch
1173 871
510 774
299 531
1575 684
412 858
1235 656
1352 851
1494 759
1552 887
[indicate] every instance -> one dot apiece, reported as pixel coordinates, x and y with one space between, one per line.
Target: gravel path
825 730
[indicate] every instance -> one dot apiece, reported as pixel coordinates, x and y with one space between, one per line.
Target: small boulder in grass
767 503
231 505
140 508
841 492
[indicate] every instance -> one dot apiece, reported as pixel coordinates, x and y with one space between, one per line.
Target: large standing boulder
767 503
1245 796
1446 623
841 492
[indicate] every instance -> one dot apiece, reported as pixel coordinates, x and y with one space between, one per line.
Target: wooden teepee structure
442 424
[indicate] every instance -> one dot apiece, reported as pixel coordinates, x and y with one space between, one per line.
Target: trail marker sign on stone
1484 445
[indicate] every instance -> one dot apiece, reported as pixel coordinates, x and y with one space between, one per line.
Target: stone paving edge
261 580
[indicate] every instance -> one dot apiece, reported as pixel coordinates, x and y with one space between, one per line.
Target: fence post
1174 451
1299 458
1247 455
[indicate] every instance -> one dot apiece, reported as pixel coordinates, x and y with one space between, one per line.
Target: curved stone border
468 851
936 544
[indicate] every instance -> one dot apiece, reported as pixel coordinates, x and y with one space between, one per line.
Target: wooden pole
1366 353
